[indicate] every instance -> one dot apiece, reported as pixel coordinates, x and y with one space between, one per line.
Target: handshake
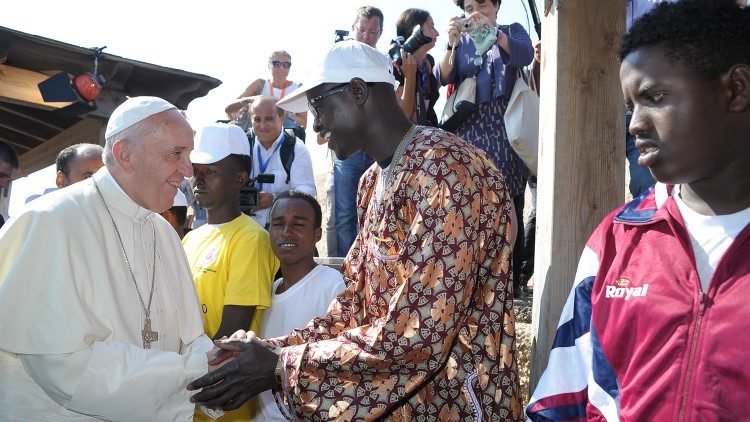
239 368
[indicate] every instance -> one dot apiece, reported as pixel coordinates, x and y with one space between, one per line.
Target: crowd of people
217 308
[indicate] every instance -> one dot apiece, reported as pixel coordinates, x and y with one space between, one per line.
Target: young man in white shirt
266 153
307 289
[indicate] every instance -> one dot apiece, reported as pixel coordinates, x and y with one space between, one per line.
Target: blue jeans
346 174
640 177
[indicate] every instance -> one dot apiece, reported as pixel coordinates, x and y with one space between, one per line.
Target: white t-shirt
710 236
308 298
300 178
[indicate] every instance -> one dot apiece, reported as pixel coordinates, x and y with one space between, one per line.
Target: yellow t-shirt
232 264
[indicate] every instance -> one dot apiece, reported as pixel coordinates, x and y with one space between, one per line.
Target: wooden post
582 151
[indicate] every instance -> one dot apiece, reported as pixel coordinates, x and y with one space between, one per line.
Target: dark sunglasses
285 65
325 94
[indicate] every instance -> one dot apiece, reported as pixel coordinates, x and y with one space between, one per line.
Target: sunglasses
325 94
285 65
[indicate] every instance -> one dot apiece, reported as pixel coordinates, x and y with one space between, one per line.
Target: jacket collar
651 206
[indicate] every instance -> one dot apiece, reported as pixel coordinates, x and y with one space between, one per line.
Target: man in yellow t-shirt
230 258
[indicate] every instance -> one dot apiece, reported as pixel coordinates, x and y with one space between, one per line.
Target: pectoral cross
148 335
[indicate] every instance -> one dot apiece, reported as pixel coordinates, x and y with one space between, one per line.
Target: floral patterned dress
426 329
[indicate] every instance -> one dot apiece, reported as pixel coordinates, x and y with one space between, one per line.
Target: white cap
179 199
345 60
132 111
216 141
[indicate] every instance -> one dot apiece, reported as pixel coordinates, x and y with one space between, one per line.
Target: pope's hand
218 357
248 374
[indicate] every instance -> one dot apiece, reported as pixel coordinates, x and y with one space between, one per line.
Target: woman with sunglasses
277 86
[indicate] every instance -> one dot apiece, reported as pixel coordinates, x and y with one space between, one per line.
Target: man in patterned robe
425 329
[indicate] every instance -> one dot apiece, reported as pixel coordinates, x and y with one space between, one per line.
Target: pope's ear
122 150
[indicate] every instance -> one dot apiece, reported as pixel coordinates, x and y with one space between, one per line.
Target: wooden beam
26 127
18 138
20 148
87 130
23 85
46 118
582 150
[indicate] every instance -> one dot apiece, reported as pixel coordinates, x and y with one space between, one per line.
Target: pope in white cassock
98 313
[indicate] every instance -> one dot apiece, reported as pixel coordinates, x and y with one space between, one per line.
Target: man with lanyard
267 121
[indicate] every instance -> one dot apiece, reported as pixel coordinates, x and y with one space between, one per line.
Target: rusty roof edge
213 82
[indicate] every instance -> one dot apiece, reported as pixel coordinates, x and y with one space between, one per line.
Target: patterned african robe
426 328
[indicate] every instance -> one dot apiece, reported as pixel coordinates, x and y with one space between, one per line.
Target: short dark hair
460 3
242 162
9 155
267 99
180 214
67 155
409 19
369 11
706 36
297 194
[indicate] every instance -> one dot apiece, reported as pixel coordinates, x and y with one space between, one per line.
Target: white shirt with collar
300 178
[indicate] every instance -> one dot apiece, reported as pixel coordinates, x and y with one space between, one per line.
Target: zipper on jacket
691 357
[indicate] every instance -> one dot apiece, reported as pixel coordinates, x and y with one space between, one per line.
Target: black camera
415 40
249 193
340 34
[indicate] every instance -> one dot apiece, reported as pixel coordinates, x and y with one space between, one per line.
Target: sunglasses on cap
277 63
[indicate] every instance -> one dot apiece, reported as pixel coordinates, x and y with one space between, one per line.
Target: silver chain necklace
147 335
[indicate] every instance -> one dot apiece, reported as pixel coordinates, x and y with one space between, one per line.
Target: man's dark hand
251 373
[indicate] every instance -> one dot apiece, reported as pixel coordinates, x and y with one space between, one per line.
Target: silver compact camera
467 24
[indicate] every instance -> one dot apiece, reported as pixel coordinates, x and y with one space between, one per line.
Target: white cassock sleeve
116 381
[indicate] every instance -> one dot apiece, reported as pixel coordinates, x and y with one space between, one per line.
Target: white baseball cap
180 200
344 61
132 111
216 141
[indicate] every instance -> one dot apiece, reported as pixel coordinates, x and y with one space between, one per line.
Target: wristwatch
449 47
279 372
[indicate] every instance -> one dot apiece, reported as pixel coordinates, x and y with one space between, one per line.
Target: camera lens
416 40
412 44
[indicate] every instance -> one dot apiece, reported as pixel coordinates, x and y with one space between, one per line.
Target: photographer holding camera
267 128
495 73
418 89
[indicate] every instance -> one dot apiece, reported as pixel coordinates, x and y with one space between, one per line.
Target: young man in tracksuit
656 326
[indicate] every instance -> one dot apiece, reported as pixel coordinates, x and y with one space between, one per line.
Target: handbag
522 122
459 105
